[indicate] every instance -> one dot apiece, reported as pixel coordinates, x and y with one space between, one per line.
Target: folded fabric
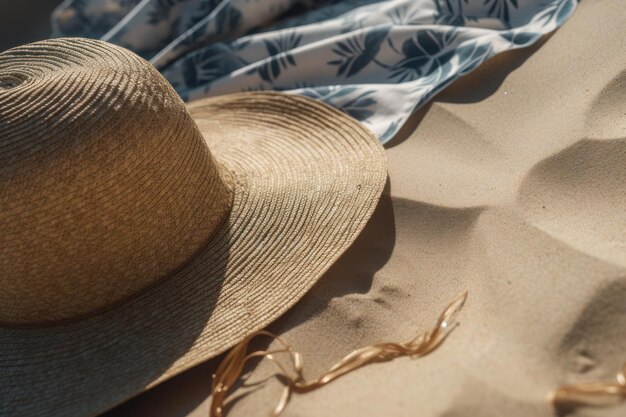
377 60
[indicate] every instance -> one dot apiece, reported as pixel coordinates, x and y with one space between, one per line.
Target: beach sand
511 184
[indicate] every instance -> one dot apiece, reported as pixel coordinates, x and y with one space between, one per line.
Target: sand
510 184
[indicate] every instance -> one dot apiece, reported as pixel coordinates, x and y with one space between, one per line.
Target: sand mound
579 196
606 117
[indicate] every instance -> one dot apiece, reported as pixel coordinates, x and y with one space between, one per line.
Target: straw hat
139 236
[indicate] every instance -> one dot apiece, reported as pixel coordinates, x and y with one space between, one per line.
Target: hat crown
106 184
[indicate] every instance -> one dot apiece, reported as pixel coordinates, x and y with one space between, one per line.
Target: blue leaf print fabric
376 60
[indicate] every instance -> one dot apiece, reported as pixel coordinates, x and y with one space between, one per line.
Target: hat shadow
352 273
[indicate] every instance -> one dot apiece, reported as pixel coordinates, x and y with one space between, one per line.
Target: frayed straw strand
593 394
229 371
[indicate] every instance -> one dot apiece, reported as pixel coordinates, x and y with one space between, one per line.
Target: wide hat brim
306 179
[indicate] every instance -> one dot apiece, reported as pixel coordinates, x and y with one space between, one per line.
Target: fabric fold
377 60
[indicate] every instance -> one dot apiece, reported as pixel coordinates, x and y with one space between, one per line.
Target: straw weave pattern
103 175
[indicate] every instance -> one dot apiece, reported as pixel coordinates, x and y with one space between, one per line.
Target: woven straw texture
130 250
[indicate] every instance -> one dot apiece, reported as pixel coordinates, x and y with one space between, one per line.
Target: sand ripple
579 196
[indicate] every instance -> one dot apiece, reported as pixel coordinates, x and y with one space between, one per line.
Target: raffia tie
229 371
595 394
